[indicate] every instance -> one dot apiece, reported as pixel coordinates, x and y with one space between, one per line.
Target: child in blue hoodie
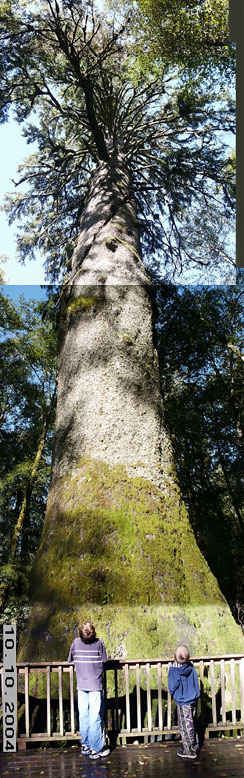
184 688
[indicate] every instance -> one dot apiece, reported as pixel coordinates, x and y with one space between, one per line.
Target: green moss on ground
118 552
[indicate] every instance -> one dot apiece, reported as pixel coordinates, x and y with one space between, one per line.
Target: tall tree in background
201 349
28 360
118 167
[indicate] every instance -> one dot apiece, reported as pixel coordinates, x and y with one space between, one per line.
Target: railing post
138 697
105 700
27 712
72 706
160 709
48 701
233 690
222 676
116 699
214 712
168 705
242 689
127 697
149 706
60 701
201 670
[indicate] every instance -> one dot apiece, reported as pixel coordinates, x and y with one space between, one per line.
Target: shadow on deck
218 758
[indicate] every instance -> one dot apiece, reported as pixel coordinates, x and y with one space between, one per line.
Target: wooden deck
219 758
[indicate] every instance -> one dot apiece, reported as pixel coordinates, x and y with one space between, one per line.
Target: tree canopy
67 74
193 35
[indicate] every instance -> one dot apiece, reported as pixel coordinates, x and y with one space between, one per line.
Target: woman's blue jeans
90 706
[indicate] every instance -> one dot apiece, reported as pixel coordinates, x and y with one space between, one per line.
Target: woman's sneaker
85 750
99 754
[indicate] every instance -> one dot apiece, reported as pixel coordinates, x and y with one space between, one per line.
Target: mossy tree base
133 632
125 558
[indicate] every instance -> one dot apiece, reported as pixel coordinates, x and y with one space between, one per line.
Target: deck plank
218 758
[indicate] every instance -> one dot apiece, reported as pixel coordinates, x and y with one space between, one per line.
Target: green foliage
190 34
74 83
3 259
201 347
28 358
14 614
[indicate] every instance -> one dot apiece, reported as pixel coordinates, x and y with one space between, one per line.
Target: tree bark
117 547
109 399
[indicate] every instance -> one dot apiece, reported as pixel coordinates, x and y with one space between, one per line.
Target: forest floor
217 758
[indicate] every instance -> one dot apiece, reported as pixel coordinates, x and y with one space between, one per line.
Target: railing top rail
166 659
126 661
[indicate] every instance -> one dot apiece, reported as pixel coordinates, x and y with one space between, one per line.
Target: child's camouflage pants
186 723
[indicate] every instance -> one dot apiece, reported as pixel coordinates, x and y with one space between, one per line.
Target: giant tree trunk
117 547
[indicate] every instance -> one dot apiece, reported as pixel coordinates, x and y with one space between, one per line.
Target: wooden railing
137 701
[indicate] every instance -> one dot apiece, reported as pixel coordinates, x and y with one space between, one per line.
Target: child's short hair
87 632
181 654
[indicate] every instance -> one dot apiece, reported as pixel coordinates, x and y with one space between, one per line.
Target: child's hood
184 669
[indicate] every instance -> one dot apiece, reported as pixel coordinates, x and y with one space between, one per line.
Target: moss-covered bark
117 551
117 547
113 533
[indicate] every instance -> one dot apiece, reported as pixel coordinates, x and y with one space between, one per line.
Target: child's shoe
184 755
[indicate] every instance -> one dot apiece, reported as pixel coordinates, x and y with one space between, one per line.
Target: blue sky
32 291
13 150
